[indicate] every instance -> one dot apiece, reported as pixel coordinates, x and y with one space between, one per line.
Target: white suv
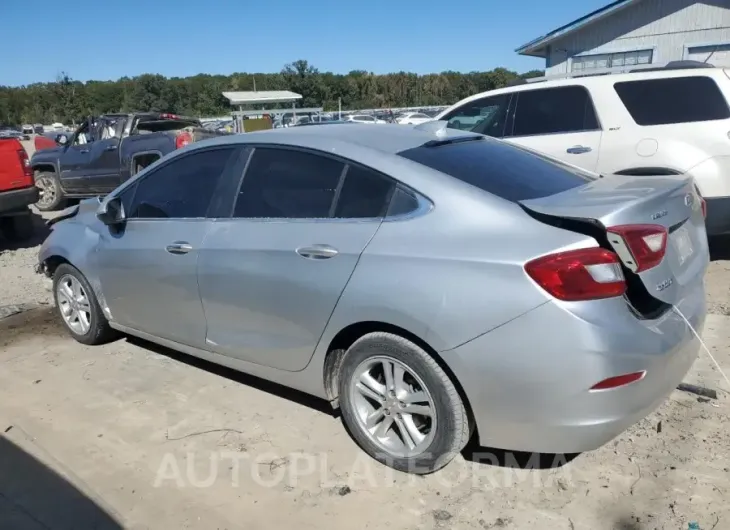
663 121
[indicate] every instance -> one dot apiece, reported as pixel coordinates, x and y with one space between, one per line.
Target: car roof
390 139
590 81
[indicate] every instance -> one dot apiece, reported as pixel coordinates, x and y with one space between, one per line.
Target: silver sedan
433 284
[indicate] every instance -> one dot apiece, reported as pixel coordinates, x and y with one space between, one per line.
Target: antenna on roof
437 128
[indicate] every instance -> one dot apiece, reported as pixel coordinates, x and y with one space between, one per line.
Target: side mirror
111 212
61 139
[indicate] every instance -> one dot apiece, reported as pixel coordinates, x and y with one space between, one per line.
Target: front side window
183 188
673 100
554 110
484 116
284 183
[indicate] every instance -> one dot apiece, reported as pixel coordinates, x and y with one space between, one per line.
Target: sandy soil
130 435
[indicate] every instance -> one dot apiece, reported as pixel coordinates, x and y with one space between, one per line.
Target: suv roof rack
671 65
675 65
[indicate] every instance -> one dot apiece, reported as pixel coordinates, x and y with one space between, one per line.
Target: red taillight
703 205
619 381
583 274
646 245
183 139
168 116
25 163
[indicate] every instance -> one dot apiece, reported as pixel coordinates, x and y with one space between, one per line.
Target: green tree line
67 100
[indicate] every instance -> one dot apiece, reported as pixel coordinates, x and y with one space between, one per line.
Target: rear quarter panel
454 273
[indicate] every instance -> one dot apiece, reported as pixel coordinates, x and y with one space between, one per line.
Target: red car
17 191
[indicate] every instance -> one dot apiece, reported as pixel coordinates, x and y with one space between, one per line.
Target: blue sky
110 39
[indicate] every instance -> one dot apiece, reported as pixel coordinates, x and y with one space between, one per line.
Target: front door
148 266
559 122
104 170
74 161
270 277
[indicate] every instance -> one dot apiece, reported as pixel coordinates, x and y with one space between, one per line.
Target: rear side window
673 100
554 110
285 183
496 167
364 194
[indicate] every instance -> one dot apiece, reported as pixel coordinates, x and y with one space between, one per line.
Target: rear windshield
502 169
673 100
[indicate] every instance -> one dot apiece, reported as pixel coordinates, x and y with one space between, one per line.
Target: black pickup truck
106 150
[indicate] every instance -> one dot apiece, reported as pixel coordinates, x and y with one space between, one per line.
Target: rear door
560 122
271 275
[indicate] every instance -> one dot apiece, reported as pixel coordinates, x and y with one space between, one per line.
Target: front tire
399 404
78 307
51 195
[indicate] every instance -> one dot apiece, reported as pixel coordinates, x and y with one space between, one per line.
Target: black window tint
499 168
673 100
483 116
554 110
288 184
127 196
181 189
402 203
364 194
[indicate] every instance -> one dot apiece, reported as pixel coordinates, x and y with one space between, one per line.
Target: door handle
578 149
111 148
179 247
83 151
317 252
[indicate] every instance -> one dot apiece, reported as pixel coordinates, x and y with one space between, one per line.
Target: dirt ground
131 435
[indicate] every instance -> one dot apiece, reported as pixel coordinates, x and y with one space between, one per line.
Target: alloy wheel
74 304
393 406
47 191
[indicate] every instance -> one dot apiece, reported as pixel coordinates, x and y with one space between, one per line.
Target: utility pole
339 101
254 83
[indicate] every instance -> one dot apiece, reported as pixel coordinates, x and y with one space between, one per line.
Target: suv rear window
510 172
673 100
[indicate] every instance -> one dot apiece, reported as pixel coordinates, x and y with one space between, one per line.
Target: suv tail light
641 247
183 139
703 205
25 163
583 274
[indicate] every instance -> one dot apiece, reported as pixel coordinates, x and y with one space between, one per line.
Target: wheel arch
44 166
347 336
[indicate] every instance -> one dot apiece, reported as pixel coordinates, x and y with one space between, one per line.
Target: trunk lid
669 201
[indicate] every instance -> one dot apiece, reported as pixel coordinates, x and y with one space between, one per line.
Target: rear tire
419 426
17 228
78 307
49 185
